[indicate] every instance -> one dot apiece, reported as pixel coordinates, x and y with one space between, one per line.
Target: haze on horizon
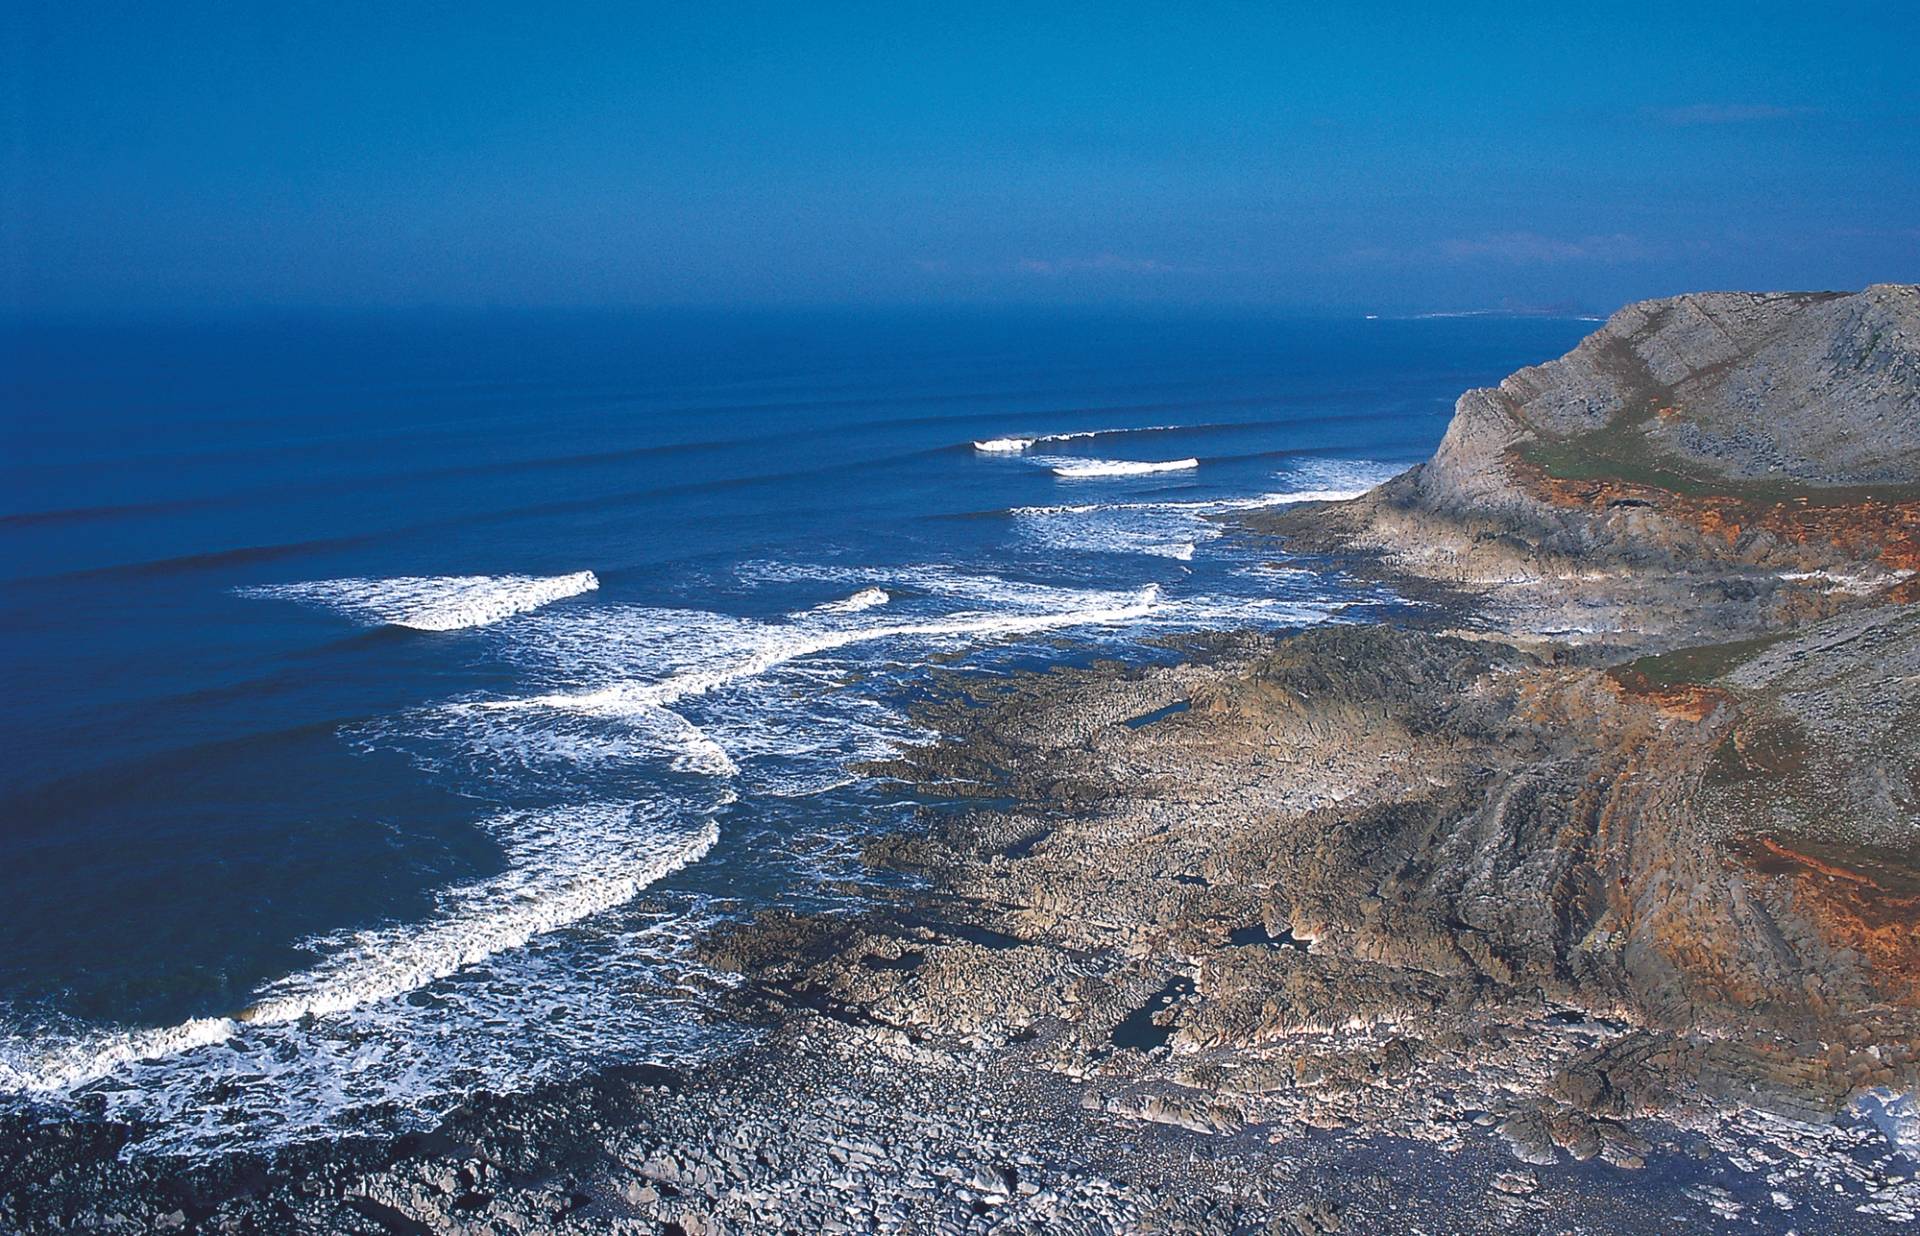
1388 157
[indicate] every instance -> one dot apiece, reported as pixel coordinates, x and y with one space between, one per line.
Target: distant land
1504 311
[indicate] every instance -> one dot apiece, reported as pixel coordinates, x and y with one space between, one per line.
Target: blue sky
1404 156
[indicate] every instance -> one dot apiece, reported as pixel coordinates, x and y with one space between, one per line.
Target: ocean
391 698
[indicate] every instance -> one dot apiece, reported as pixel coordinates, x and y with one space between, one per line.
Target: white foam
432 603
774 708
1174 529
1196 507
1332 480
620 683
63 1065
1009 595
1895 1114
865 599
578 646
1340 473
564 864
1161 530
1081 469
701 632
567 1002
782 645
1012 446
563 747
1199 506
1315 480
1289 496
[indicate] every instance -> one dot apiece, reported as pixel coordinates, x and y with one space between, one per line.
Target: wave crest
431 602
1078 469
781 645
564 864
1013 446
865 599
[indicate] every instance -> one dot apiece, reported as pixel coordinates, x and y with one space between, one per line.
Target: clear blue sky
1399 156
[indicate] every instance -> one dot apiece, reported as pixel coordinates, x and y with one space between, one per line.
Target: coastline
1580 898
1073 1024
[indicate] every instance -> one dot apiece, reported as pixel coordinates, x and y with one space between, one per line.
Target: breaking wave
431 603
1078 469
557 752
1325 481
865 599
1173 529
1159 530
1012 446
617 693
781 645
564 864
626 691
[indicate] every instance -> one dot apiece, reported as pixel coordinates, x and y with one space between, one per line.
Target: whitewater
566 864
1014 446
415 700
1081 469
431 603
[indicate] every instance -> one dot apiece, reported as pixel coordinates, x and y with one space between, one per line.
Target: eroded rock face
1818 389
1397 882
1724 838
1615 860
1457 827
1764 448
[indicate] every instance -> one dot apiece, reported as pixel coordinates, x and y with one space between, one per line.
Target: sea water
393 698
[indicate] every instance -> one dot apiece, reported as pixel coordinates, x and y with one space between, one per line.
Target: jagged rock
1766 444
1487 884
1308 1219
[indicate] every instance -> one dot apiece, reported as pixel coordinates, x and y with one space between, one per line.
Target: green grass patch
1620 454
1577 459
1688 666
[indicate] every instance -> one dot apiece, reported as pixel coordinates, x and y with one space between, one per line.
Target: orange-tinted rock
1855 907
1860 529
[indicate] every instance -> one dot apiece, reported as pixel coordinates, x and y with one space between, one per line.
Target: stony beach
1581 900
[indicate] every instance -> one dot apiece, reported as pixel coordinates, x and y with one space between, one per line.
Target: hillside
1710 463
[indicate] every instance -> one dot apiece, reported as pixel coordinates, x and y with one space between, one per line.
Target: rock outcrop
1610 858
1730 389
1766 445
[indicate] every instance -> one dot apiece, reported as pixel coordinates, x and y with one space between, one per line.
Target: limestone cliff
1717 462
1749 394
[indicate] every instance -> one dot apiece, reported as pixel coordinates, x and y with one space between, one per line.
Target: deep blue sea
389 698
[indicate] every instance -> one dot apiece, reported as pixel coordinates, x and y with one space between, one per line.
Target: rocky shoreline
1585 901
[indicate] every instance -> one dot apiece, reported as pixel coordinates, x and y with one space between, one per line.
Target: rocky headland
1583 899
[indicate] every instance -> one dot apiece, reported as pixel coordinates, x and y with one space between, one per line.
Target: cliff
1615 846
1657 774
1760 395
1717 462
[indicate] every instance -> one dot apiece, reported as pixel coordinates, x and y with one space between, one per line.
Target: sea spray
431 603
1086 469
1014 446
565 864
